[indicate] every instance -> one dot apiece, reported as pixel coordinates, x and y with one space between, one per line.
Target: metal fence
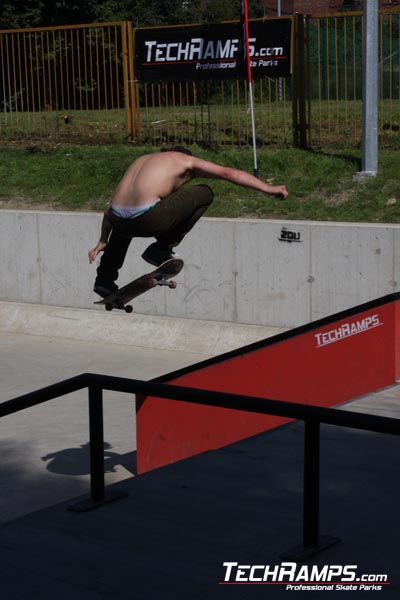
214 112
77 84
335 78
65 83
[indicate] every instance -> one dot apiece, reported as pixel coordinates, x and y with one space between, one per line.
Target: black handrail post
311 483
313 543
98 497
96 432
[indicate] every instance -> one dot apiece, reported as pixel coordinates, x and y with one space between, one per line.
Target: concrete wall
276 273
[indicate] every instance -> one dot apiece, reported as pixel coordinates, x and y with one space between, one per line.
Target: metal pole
369 163
280 85
253 129
245 21
313 542
98 496
96 443
311 484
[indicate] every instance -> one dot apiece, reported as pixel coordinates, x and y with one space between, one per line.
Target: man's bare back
154 176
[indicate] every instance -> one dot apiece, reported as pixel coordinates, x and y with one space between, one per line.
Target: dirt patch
338 198
27 204
97 205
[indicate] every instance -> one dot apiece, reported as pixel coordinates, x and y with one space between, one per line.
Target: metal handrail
242 402
313 416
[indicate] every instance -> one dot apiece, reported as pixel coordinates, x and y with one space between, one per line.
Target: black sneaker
104 288
156 255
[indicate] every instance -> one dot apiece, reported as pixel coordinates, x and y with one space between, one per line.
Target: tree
16 14
164 12
103 11
226 10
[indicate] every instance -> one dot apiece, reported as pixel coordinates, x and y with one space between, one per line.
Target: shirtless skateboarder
150 201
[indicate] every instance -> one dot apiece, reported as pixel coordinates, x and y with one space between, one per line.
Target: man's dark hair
178 149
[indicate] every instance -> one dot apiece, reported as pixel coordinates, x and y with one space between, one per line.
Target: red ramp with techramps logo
324 363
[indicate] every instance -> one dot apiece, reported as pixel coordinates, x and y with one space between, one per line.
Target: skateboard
162 275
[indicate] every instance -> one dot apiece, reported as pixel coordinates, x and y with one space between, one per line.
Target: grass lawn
321 185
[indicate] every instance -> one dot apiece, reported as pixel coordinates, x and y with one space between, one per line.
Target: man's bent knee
207 195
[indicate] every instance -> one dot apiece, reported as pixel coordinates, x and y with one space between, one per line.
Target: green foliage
163 12
321 186
17 14
103 11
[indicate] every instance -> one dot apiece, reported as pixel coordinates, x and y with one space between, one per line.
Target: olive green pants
168 221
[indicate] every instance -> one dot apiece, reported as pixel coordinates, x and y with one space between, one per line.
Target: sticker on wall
289 236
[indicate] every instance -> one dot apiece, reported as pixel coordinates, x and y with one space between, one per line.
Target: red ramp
324 363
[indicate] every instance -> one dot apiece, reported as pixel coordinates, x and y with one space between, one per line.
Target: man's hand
280 191
95 251
106 227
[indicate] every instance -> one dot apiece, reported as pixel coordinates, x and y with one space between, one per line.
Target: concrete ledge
186 335
268 273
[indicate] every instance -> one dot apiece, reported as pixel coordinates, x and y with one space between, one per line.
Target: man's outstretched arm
204 168
106 227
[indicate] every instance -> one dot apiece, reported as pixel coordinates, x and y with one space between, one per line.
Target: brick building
289 7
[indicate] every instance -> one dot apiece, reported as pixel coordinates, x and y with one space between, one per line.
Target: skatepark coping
164 333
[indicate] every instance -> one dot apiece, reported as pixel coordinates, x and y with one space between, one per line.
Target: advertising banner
213 51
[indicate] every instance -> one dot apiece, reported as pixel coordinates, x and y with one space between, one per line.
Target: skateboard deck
162 275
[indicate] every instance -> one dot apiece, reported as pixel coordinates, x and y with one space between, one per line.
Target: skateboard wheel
109 306
153 282
129 308
172 284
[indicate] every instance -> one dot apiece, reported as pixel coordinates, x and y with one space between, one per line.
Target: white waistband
130 212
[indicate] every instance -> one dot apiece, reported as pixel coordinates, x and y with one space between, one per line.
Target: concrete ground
170 537
45 449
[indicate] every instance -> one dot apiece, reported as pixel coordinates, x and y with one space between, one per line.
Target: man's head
181 149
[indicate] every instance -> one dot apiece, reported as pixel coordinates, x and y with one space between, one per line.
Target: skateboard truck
162 281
